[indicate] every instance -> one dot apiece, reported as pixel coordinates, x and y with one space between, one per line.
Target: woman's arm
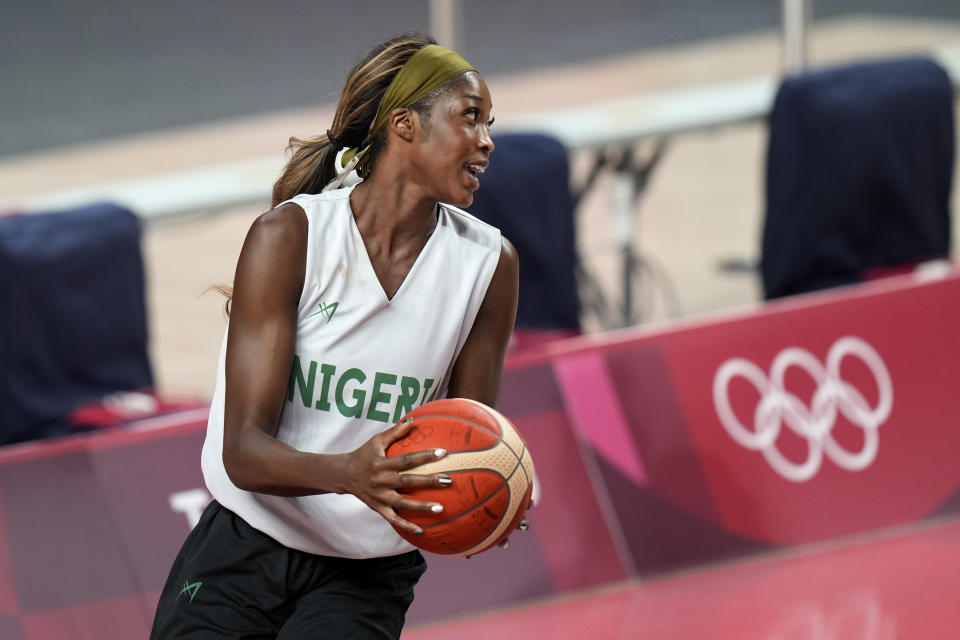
478 371
260 346
479 368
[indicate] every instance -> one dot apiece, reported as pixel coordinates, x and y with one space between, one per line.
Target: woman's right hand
375 479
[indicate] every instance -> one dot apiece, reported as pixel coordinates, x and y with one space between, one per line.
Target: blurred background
103 92
108 91
181 111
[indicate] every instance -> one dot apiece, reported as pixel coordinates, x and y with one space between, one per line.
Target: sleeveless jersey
361 362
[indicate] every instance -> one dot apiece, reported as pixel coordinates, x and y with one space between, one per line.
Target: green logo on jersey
326 309
190 589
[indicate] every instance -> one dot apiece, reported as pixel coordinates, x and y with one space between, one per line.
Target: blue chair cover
73 324
525 192
859 170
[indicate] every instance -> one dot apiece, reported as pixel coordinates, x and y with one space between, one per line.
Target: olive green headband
423 72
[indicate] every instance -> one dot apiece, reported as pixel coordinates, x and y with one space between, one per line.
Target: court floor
894 585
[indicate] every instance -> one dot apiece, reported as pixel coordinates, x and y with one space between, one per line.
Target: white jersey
361 362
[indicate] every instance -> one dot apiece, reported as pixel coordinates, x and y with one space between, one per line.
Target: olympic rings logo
778 407
417 435
858 614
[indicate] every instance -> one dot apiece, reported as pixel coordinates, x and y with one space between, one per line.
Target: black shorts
231 581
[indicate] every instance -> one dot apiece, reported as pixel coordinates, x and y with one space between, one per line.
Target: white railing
620 122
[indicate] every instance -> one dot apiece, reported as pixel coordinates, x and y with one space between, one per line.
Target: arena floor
899 585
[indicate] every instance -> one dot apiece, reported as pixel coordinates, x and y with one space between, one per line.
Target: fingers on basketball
414 459
490 470
399 430
391 516
410 481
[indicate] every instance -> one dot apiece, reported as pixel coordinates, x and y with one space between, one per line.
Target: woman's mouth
474 171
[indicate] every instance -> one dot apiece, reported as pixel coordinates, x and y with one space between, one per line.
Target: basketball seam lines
499 437
497 529
505 483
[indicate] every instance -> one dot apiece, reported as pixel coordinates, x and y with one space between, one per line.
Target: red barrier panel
812 418
807 419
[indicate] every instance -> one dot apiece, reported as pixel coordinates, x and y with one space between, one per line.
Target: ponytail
310 168
312 160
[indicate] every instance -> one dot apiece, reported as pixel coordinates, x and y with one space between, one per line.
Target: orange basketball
492 474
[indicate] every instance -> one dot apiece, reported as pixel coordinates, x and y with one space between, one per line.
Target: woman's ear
402 123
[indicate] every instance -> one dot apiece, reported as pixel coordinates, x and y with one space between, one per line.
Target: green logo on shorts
190 589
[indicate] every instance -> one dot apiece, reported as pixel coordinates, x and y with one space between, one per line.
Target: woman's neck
391 216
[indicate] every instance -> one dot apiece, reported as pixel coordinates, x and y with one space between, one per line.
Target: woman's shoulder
284 222
468 226
326 207
324 199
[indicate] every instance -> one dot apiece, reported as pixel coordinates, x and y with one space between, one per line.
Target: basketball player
359 296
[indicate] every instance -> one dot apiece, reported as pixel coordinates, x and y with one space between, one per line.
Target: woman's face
455 144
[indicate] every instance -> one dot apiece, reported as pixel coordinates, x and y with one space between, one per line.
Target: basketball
491 469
